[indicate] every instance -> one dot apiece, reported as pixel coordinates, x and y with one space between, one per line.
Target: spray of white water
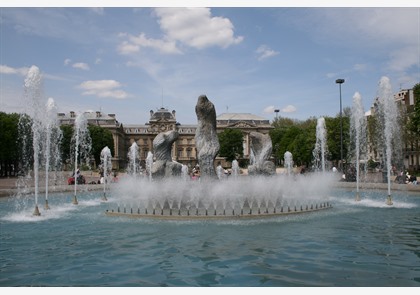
358 133
82 144
288 162
133 158
106 164
229 194
33 96
320 150
52 138
149 165
389 115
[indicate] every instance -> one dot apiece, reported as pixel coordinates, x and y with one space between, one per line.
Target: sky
247 59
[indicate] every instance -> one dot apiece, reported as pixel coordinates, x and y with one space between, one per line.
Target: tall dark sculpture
206 140
261 147
162 146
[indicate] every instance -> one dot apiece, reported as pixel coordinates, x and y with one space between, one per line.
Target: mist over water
231 193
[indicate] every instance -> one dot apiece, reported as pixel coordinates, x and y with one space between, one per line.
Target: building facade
162 120
411 145
410 149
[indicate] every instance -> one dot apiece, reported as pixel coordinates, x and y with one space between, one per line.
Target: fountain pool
365 243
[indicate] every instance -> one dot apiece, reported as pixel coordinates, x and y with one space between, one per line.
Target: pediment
242 124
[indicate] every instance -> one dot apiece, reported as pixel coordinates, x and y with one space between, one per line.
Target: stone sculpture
162 146
206 140
261 147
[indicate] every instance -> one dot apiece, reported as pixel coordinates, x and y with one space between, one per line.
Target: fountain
133 157
358 134
320 150
235 169
184 172
52 148
288 162
106 167
33 95
388 114
256 195
82 145
149 165
273 229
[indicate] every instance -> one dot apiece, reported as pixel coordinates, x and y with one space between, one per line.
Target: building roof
239 117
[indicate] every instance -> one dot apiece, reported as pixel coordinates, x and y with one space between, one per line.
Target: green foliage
231 144
299 137
101 138
414 125
9 148
67 131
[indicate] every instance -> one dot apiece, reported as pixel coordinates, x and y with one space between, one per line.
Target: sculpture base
75 202
184 214
389 200
357 197
46 207
36 212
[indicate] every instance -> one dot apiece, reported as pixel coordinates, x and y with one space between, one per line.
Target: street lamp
277 113
341 81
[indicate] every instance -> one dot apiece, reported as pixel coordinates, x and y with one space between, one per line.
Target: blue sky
129 61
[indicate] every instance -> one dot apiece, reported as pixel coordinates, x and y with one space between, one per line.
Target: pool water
366 243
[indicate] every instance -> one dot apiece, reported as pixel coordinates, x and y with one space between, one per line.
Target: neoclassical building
162 120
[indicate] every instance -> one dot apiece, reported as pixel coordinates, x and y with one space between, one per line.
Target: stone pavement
8 186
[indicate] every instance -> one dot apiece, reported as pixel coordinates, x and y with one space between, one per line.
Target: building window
180 153
189 155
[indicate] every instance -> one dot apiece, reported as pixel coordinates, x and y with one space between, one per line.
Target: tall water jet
106 165
235 168
133 157
389 115
149 165
33 95
288 162
320 149
82 146
52 138
184 172
358 134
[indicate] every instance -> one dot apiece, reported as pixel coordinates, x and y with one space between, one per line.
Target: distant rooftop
239 117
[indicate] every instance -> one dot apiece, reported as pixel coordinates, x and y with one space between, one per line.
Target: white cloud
404 58
289 109
269 110
134 43
103 88
370 28
13 71
81 65
192 27
196 27
98 61
67 61
265 52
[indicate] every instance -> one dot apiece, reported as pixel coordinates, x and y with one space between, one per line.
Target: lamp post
341 81
277 113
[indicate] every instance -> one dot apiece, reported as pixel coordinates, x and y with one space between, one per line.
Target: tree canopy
231 144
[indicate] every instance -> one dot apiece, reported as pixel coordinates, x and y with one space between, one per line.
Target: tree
9 149
414 125
67 131
101 138
231 144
